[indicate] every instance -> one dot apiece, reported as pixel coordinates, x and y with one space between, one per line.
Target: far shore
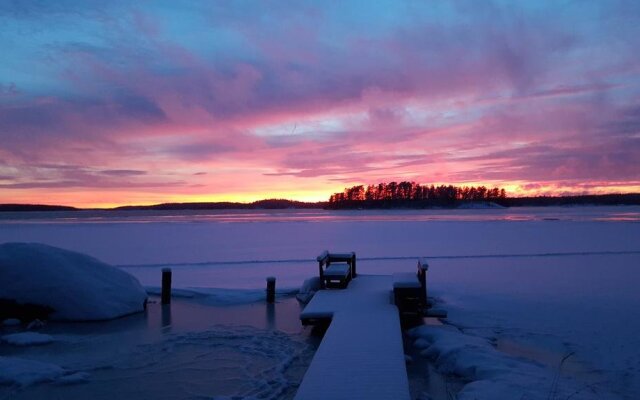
282 204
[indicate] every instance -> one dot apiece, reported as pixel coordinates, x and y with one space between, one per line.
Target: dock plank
361 355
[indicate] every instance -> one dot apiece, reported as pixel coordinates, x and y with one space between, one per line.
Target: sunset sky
118 102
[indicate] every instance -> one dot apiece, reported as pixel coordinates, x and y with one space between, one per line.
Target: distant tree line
383 195
411 194
586 200
33 207
268 204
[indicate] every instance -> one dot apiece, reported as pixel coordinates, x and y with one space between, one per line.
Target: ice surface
74 285
27 339
187 350
73 378
547 281
221 296
258 358
139 239
23 372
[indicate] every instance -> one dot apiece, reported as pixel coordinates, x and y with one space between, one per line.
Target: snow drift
74 286
493 375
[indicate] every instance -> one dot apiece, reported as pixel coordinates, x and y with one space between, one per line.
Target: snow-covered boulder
72 285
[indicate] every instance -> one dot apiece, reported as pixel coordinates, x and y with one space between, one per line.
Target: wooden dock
361 355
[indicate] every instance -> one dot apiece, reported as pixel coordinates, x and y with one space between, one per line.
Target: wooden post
320 264
271 289
423 267
353 264
166 285
166 316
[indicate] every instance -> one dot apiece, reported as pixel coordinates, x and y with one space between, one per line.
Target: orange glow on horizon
117 199
111 199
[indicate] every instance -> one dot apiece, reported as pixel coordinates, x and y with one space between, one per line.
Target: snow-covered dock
361 355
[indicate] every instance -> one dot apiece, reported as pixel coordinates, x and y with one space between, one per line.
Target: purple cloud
456 92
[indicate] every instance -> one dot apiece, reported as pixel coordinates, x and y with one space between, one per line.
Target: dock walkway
361 355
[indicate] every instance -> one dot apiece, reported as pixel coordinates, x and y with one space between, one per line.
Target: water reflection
271 315
166 316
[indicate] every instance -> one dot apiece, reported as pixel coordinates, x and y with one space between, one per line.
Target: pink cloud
495 95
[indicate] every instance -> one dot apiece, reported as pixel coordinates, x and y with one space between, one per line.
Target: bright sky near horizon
117 102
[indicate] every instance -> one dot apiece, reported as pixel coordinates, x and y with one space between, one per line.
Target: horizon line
114 207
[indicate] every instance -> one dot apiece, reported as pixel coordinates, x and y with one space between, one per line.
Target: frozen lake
540 283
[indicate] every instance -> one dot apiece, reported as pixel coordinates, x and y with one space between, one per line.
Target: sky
115 102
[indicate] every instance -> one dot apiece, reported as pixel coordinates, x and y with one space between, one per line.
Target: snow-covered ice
494 375
187 350
73 378
27 339
73 285
222 296
544 308
23 372
531 284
